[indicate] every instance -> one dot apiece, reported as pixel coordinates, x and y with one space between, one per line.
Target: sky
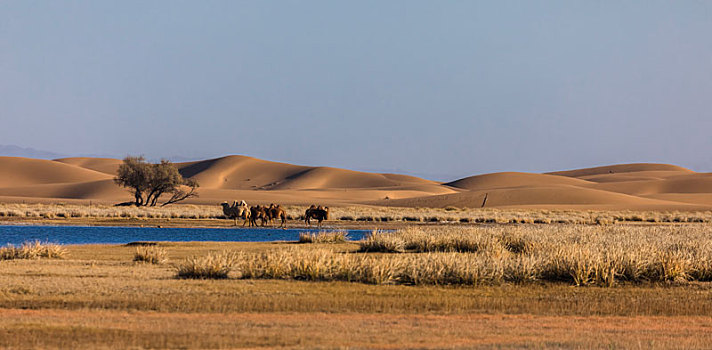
439 89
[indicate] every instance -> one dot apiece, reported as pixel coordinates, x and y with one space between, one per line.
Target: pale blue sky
441 89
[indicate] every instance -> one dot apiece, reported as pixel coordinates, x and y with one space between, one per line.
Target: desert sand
640 186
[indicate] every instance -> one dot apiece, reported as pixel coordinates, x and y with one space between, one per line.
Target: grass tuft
323 237
33 250
212 266
150 254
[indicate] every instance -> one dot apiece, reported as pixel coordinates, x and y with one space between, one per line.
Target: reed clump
212 266
150 254
381 241
417 240
318 265
415 269
33 250
323 237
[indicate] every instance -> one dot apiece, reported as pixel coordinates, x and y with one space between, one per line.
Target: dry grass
580 255
323 237
150 254
212 266
105 278
513 216
33 250
98 298
82 329
15 211
410 269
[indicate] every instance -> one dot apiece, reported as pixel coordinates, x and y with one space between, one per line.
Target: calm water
118 235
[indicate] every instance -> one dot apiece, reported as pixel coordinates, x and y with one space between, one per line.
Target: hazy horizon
441 90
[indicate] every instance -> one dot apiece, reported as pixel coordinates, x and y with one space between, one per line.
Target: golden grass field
293 295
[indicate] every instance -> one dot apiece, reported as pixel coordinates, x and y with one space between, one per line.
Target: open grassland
97 329
189 214
98 297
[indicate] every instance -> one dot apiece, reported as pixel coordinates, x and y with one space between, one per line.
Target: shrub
323 237
150 254
33 250
212 266
379 241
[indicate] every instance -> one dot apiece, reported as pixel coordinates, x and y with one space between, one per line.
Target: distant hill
17 151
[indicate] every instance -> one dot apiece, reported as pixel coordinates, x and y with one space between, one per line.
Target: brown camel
276 211
318 213
258 212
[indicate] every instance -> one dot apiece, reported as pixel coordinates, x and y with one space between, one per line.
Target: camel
317 213
236 210
274 212
258 212
229 211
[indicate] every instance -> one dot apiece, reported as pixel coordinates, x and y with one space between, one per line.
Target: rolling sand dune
239 172
547 196
513 179
339 178
102 165
691 198
621 168
102 189
624 186
16 172
693 183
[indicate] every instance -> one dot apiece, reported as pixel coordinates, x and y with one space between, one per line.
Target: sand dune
691 198
514 179
621 168
16 172
99 190
624 186
548 197
693 183
240 172
102 165
339 178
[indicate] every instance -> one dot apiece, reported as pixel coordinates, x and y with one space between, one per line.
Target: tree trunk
138 198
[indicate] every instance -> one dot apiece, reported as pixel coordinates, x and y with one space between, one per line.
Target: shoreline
292 224
192 223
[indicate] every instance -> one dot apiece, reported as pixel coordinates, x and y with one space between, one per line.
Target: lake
16 234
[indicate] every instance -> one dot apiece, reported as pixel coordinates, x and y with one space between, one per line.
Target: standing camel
318 213
258 212
236 210
276 211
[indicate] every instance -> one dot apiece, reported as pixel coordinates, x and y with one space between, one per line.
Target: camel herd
268 214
